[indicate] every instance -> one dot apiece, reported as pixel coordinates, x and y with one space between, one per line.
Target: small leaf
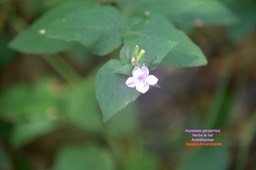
98 29
33 40
111 91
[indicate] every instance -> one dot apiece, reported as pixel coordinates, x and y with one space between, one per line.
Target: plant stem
63 68
220 93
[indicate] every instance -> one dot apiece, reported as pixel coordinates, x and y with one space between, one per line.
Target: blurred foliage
90 157
50 123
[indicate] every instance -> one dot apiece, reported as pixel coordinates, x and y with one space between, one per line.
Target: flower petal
136 72
145 70
131 82
152 80
142 87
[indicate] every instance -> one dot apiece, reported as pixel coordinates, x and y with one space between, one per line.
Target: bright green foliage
111 90
83 157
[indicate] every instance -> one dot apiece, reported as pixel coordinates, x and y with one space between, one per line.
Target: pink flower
141 79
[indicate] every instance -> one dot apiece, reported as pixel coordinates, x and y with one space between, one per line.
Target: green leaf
98 29
33 39
159 31
184 13
156 50
81 158
186 53
125 70
111 91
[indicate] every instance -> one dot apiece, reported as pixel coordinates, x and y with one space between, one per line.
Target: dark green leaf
156 50
111 91
183 12
98 29
125 70
33 39
159 31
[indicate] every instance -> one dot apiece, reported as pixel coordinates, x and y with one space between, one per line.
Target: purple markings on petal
141 79
137 72
145 70
130 82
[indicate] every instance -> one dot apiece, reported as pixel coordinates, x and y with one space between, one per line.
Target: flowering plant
102 29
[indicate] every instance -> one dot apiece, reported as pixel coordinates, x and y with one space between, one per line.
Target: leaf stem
62 68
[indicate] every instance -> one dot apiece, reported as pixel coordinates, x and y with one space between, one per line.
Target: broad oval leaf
111 91
33 39
156 28
98 29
